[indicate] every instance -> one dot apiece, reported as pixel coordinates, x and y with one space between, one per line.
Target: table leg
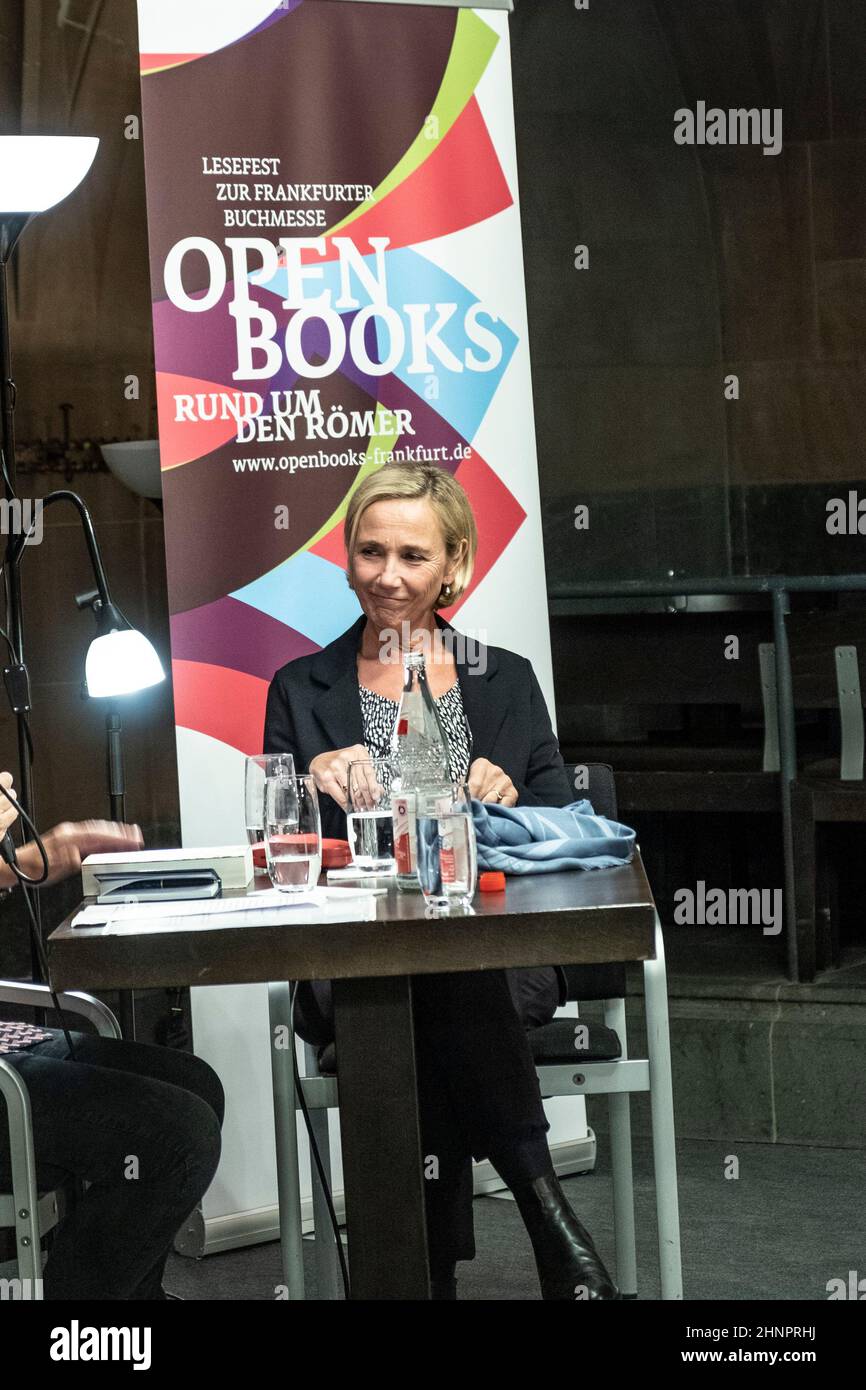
662 1110
285 1133
381 1139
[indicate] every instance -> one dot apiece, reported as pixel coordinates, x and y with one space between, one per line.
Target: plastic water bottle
422 759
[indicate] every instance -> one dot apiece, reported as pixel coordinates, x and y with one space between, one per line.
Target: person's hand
487 782
8 814
71 841
363 789
330 770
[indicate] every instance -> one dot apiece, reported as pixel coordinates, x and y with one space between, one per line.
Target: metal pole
9 232
787 767
117 801
328 1282
662 1110
707 585
286 1137
116 779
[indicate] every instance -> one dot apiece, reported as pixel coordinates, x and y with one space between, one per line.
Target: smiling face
400 562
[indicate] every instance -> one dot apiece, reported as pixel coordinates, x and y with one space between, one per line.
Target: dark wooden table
564 918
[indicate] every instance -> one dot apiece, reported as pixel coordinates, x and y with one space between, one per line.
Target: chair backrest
826 650
596 782
602 789
813 639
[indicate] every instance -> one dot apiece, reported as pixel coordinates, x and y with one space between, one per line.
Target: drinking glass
447 854
368 815
293 831
257 770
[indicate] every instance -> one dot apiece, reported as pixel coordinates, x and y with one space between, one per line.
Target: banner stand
337 281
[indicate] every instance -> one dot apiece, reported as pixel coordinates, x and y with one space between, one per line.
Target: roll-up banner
337 281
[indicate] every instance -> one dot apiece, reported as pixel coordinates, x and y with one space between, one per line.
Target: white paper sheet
262 909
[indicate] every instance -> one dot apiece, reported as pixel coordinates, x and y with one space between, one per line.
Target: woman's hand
8 814
487 782
67 844
331 770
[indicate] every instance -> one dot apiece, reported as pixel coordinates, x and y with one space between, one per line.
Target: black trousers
141 1124
478 1092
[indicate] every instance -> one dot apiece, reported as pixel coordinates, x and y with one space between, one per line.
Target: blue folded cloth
546 839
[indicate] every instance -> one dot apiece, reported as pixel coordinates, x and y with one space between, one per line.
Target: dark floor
791 1221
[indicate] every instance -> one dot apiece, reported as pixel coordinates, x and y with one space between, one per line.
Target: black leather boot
569 1266
443 1282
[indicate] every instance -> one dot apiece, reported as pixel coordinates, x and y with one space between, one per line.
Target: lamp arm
65 495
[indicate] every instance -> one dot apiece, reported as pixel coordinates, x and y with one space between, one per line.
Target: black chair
28 1213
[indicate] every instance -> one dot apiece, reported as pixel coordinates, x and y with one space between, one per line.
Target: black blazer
314 706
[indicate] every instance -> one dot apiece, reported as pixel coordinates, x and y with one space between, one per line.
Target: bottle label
447 861
404 834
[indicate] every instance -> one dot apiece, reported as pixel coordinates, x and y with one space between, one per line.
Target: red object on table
335 853
492 882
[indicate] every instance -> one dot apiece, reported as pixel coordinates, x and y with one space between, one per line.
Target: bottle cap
492 882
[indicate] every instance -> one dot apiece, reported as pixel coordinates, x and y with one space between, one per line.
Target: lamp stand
15 676
117 798
116 779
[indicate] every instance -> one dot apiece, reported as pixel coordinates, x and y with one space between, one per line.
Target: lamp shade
37 171
121 662
135 463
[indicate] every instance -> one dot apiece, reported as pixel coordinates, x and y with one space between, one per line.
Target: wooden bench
827 650
692 738
697 729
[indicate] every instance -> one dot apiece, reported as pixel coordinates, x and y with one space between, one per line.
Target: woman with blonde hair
411 542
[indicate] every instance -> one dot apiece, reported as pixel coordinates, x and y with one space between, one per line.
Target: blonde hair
407 482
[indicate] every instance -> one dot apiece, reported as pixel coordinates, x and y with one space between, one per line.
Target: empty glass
368 815
293 832
447 853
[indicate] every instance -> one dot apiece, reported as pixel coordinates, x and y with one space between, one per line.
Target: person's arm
8 814
8 817
66 845
329 767
546 782
279 733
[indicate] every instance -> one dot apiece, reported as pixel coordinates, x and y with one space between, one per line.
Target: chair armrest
20 1130
73 1002
14 1091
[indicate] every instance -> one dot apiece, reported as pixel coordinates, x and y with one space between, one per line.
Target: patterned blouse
380 713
